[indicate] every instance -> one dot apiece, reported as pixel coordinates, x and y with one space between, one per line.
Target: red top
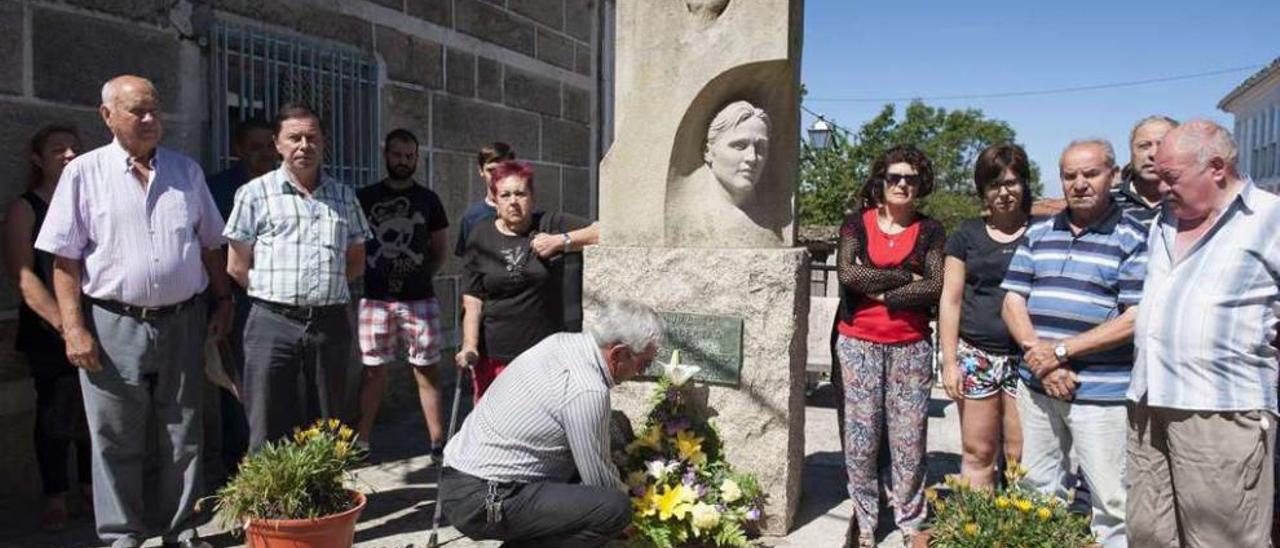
872 320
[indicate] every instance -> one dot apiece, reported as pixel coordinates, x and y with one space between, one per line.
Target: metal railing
254 73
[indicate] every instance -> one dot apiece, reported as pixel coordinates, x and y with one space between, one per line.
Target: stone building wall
458 73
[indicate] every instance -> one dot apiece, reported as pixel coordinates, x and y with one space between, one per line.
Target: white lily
678 373
659 469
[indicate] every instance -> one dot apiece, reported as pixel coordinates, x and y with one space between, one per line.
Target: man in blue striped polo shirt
1069 285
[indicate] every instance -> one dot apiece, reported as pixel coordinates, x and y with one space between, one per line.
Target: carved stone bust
712 206
706 10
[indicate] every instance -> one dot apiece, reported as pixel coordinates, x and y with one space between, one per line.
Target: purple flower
700 489
689 478
722 508
753 514
677 424
637 491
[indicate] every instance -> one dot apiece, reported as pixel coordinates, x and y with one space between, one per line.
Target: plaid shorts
385 325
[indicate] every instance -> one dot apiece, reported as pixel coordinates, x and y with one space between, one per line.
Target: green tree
953 139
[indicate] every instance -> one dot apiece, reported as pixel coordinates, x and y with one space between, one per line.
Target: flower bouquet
1010 517
683 491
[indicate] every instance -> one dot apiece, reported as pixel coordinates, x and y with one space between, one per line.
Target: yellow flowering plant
303 476
683 492
1008 517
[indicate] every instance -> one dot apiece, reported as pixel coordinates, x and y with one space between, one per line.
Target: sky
876 49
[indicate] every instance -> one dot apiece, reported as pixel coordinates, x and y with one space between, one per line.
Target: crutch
471 359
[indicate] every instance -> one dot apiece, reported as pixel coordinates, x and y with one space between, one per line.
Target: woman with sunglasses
979 357
890 265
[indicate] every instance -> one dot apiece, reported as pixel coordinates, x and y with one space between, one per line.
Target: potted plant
1012 516
292 493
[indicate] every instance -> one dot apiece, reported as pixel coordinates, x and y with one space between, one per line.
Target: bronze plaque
713 343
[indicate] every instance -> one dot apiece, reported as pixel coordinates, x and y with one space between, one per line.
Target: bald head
1197 168
1206 140
125 84
131 109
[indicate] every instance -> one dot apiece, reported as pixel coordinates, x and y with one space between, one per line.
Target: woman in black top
59 409
979 357
511 297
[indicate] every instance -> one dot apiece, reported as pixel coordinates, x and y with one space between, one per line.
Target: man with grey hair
1138 192
137 240
1202 403
544 421
1068 287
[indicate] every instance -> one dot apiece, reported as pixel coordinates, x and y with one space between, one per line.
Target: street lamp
820 134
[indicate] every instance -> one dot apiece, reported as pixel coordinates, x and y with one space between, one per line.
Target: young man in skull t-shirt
399 305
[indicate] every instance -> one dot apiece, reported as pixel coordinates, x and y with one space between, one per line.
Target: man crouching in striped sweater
508 471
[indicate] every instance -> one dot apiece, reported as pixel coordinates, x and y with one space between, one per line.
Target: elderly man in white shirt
1203 392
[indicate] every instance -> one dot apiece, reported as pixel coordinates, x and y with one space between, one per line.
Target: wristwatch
567 241
1060 351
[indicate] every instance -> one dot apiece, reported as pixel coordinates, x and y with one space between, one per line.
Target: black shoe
189 543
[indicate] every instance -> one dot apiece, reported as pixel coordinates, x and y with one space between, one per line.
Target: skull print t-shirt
521 292
397 261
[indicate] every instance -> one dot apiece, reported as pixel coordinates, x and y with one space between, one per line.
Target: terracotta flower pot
334 531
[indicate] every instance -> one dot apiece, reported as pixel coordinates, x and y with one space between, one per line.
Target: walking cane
471 358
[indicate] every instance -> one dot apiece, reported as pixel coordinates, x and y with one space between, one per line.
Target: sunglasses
894 179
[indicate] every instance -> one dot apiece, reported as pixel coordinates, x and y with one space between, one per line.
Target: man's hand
82 350
1061 383
547 245
1041 359
953 380
220 323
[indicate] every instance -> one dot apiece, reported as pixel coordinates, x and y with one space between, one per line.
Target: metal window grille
254 73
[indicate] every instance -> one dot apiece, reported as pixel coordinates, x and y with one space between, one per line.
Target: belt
299 313
144 313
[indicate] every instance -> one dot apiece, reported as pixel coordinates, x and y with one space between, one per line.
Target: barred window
254 73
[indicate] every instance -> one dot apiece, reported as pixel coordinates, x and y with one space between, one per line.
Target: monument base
761 418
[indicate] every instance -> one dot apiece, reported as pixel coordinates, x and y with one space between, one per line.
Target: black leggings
60 422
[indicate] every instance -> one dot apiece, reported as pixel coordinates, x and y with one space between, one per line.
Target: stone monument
697 209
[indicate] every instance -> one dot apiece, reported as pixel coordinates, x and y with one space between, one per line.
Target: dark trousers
294 370
60 422
543 514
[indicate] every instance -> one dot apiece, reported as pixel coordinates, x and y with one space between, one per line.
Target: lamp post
820 134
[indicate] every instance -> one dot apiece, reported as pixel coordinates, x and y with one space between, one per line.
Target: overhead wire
1038 92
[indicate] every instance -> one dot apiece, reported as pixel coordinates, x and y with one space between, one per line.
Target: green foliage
1012 517
952 139
302 477
951 208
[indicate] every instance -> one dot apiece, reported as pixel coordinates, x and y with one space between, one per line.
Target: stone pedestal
761 420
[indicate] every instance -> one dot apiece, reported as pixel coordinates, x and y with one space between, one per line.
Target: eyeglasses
894 179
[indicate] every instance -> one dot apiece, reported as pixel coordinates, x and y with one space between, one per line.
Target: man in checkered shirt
297 239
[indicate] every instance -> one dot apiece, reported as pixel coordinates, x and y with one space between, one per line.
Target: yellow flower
643 504
341 448
704 517
1002 502
689 445
971 529
1044 514
1023 505
931 494
940 506
334 424
729 491
345 432
674 501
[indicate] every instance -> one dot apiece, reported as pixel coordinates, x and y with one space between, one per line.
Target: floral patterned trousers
886 385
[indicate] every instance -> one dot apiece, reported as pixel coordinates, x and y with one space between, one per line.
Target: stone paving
401 487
